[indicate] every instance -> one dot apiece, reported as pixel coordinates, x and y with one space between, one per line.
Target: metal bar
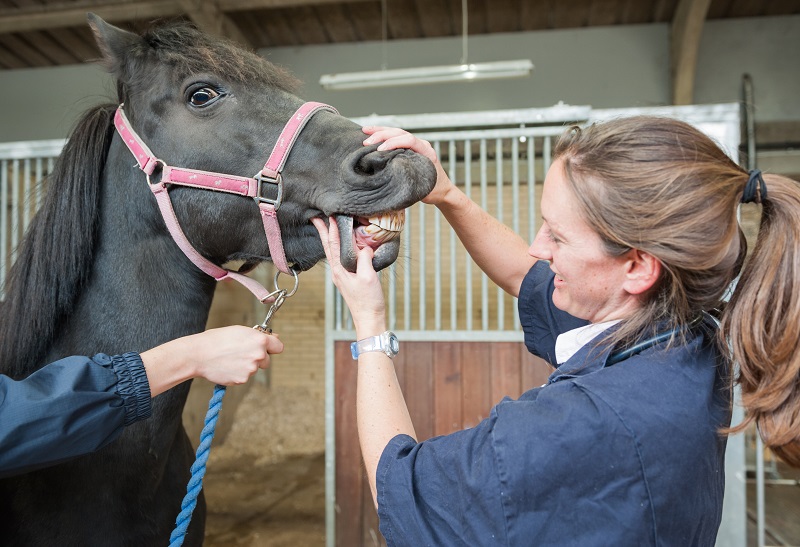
39 183
547 152
330 413
26 198
14 209
532 228
4 258
555 116
415 335
453 280
437 258
760 503
498 146
337 306
392 273
493 133
407 271
467 260
31 149
515 197
422 288
484 206
531 191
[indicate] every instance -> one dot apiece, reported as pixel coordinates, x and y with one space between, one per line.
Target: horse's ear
115 44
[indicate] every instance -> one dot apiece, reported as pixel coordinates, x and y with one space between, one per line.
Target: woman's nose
540 248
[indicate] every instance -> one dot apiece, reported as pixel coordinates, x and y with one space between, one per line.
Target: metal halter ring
296 282
280 296
157 162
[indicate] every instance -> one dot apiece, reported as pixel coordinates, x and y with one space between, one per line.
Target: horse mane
55 256
187 50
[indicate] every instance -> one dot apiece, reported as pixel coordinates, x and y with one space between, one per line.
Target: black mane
187 51
55 256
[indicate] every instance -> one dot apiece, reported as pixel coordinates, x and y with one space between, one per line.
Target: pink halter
249 187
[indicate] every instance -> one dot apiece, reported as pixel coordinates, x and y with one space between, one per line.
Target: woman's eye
203 96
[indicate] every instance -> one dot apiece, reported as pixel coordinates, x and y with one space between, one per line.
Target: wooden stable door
448 386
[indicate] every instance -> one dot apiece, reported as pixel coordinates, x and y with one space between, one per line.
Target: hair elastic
755 191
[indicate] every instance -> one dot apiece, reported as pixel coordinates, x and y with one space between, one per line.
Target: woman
80 404
625 444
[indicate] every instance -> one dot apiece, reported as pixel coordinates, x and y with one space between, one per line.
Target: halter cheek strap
243 186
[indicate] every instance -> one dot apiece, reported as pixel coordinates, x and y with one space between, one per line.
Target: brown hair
662 186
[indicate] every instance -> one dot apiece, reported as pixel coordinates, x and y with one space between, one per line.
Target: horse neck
142 290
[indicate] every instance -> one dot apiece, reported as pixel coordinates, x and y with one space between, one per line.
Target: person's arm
495 248
68 408
381 411
226 356
79 404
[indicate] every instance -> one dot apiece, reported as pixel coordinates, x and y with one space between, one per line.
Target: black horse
98 272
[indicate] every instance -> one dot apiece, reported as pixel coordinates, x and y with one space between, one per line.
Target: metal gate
23 167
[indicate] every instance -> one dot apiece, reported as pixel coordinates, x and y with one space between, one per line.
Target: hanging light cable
465 71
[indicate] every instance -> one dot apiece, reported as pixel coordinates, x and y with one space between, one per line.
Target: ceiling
42 33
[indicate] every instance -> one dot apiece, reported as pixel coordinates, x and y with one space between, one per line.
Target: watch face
394 344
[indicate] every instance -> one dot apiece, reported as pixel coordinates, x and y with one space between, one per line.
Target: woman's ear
642 272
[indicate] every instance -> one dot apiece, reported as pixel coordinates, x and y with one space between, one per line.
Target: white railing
23 167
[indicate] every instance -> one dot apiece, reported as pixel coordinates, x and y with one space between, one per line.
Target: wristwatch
386 343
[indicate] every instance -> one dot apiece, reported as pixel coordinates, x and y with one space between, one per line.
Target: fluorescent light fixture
427 75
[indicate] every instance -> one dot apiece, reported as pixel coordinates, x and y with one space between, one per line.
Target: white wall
605 67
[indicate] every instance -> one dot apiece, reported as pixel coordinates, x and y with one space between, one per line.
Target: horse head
202 103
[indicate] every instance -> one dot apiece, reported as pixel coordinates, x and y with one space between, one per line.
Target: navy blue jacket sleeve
69 408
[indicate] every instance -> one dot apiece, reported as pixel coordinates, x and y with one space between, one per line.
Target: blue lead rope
198 469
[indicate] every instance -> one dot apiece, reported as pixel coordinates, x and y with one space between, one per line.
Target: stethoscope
660 337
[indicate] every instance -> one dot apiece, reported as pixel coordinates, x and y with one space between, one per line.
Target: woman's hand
361 290
392 138
226 356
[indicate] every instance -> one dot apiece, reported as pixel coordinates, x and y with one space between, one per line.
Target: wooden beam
312 31
79 41
340 28
72 14
24 51
10 60
51 49
685 33
211 19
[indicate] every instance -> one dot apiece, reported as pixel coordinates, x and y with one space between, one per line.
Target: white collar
568 343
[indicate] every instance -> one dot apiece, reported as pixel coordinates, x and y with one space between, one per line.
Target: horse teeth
392 222
380 229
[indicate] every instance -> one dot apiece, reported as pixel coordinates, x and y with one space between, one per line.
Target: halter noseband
243 186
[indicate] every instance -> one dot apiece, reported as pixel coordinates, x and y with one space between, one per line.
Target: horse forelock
55 256
189 51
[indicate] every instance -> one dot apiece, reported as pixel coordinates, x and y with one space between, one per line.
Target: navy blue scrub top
625 455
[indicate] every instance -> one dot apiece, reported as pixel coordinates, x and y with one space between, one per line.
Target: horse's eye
203 96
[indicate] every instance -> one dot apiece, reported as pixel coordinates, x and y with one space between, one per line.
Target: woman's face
588 282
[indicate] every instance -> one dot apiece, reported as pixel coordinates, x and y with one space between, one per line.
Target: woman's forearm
381 410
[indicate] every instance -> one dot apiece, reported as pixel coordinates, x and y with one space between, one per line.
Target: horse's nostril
374 162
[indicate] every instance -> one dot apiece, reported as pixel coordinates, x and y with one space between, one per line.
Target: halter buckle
277 180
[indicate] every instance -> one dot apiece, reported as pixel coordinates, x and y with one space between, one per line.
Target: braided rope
198 469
